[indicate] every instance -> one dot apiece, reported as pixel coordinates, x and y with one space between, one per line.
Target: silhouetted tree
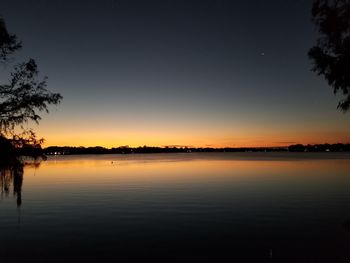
24 97
331 54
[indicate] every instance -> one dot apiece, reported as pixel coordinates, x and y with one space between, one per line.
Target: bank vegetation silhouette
331 54
22 99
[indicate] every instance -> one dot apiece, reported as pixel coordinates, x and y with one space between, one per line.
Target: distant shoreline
69 150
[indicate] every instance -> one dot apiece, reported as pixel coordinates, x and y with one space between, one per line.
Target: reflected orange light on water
143 169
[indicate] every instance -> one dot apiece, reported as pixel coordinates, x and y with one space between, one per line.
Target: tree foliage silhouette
24 97
331 54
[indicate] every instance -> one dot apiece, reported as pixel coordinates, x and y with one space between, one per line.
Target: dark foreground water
266 207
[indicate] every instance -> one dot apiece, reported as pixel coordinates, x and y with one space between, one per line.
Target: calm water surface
278 207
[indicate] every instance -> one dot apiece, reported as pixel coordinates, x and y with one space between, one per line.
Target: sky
177 72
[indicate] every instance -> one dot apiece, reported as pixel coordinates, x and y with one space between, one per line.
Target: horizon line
200 147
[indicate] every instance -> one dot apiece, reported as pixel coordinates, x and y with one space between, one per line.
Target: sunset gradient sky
195 73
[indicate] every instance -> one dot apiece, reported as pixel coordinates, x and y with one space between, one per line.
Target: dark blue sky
178 72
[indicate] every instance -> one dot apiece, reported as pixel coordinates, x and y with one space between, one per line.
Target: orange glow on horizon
159 140
162 133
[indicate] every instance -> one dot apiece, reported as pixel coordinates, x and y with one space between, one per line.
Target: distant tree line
338 147
57 150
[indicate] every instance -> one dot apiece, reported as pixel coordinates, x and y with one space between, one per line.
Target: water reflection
11 176
205 204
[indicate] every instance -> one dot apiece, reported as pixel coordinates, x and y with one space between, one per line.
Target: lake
256 207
